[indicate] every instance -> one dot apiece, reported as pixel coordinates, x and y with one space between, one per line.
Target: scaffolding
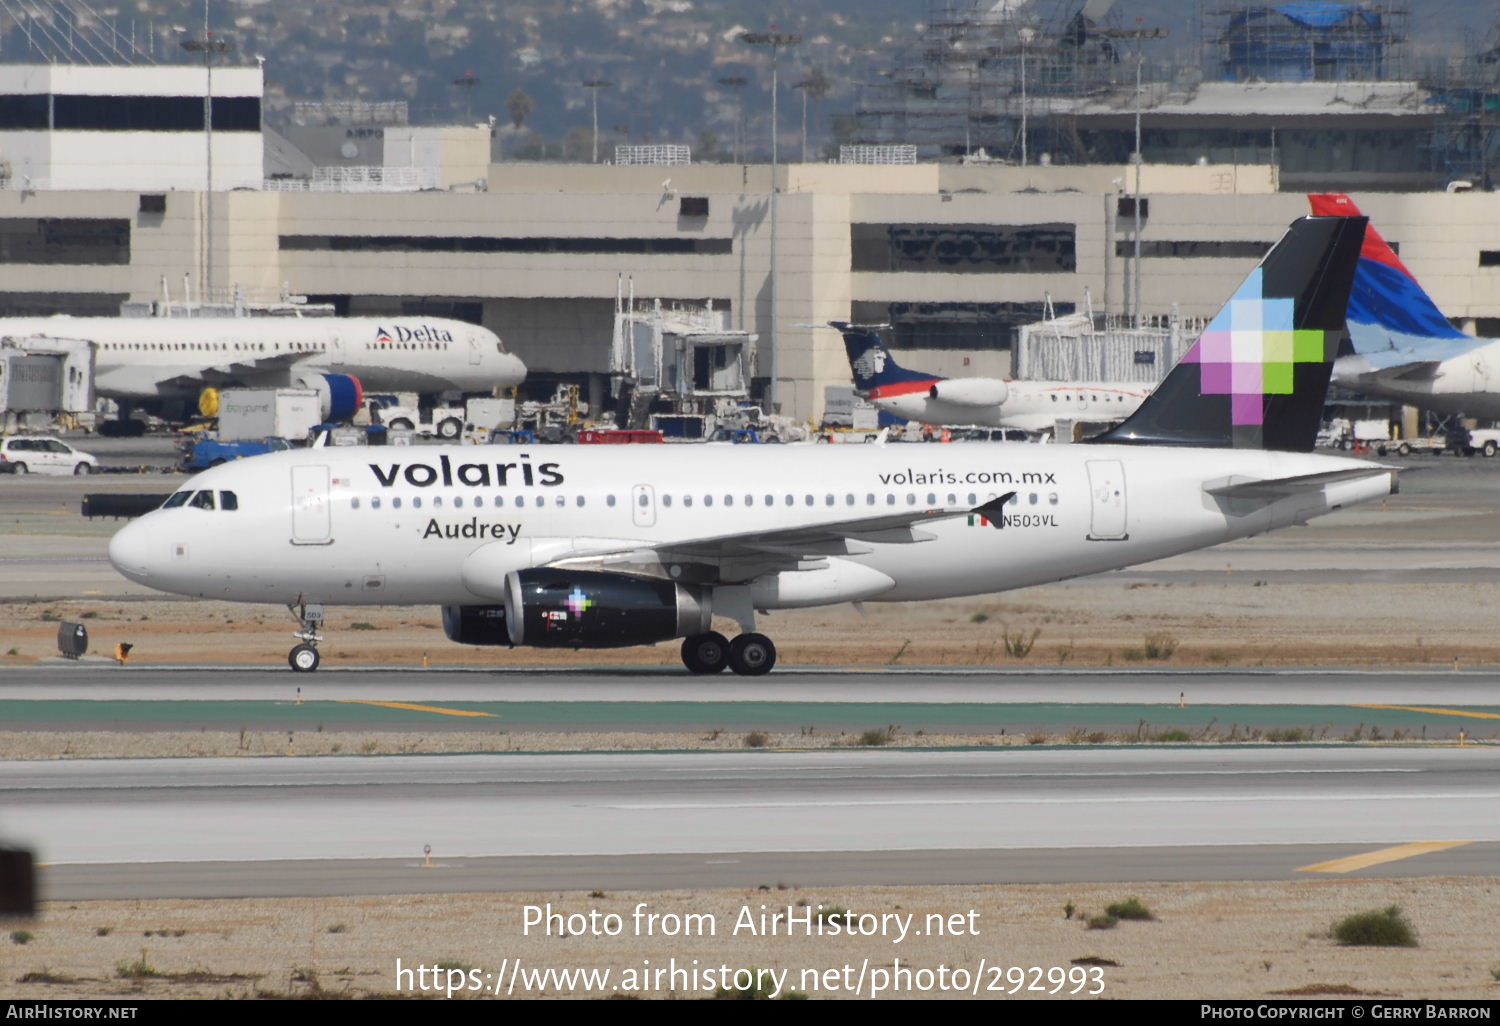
349 112
1002 77
1297 41
1465 143
667 155
877 154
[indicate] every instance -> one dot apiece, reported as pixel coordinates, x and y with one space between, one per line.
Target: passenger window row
931 500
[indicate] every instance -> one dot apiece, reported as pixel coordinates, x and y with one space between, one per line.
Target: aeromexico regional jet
586 548
996 402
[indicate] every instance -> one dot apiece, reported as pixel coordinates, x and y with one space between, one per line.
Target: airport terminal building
955 257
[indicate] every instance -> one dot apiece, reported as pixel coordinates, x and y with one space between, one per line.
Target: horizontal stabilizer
1417 370
1279 486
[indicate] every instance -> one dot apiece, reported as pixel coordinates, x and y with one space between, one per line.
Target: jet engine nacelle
340 396
970 391
588 609
475 625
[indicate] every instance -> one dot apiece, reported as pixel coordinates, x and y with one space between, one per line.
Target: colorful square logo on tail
1251 350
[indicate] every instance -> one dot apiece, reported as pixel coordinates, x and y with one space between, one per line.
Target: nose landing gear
304 658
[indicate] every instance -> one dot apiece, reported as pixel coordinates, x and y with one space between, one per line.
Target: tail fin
1257 377
1387 308
877 375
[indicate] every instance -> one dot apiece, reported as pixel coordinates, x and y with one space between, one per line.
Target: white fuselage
1029 405
444 524
1468 383
161 357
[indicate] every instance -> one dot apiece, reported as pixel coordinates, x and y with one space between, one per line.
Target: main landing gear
304 658
749 655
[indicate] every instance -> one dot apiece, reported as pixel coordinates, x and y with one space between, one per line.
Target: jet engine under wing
734 558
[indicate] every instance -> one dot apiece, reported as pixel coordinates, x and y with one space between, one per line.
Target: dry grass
1225 940
1211 625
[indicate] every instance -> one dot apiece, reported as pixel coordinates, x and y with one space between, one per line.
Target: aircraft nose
130 551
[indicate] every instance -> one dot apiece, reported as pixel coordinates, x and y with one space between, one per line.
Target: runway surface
1431 705
105 680
243 827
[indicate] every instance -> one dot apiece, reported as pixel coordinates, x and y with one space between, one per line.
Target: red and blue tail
1388 310
877 375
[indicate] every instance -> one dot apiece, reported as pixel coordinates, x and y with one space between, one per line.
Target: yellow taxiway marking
418 708
1435 711
1375 858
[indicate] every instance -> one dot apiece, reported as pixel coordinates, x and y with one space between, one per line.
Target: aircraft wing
742 556
237 370
188 378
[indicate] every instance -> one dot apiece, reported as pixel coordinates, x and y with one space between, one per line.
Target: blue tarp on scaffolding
1324 15
1304 41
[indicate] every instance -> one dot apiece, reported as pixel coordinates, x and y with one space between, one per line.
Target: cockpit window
229 501
176 499
202 500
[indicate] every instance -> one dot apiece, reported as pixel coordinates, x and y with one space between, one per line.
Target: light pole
1136 276
803 87
593 85
1026 35
208 46
737 83
467 81
776 41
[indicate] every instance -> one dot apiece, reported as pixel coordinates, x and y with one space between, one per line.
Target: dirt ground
1102 621
1226 940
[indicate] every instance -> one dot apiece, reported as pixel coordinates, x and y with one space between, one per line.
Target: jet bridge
687 357
41 377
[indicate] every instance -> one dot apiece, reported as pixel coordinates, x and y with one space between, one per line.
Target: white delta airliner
993 402
1404 348
144 360
579 547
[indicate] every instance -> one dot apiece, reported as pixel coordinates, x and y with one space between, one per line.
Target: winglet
993 511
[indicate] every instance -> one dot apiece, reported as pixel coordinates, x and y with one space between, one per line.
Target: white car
42 454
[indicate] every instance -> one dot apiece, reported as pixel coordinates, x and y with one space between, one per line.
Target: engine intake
590 609
340 396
